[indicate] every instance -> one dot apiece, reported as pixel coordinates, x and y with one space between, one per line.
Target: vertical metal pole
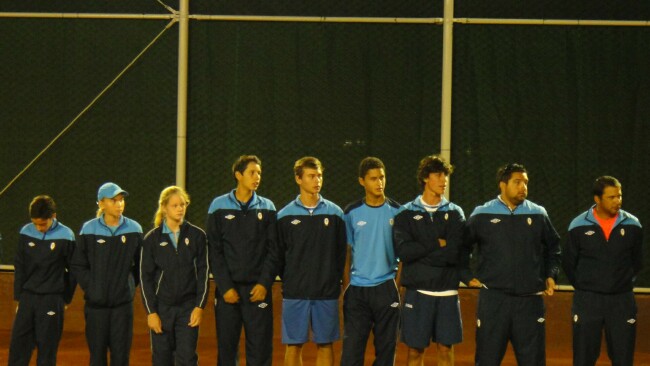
181 120
447 59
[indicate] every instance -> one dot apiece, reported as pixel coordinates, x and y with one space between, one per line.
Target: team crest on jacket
590 233
295 222
229 217
123 239
446 216
164 244
529 221
101 241
391 222
259 216
31 244
326 221
417 217
622 232
495 221
52 246
187 241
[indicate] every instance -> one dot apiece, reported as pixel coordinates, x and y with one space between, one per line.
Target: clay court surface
73 351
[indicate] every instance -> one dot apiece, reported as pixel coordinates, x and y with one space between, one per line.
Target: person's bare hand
231 296
154 323
195 317
258 293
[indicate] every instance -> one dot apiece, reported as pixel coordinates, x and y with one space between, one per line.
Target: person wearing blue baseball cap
105 266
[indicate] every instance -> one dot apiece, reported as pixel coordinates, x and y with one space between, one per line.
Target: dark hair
370 163
242 162
307 162
505 172
432 164
42 207
603 182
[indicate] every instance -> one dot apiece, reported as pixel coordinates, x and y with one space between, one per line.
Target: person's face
175 208
374 182
610 202
251 177
113 206
311 181
43 225
436 183
516 190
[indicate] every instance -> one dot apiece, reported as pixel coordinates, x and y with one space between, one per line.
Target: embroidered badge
123 239
52 246
187 241
590 233
495 221
101 241
50 313
164 244
31 244
259 215
541 320
391 222
529 221
262 305
361 223
229 217
446 216
622 232
478 323
326 221
295 222
631 321
575 318
417 217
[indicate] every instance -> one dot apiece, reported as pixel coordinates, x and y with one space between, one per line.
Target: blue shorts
428 319
298 315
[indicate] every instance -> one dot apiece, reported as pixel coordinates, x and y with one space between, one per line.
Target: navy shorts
427 318
299 314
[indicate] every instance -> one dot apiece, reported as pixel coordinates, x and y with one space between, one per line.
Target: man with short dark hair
42 284
239 227
428 238
519 259
371 301
602 256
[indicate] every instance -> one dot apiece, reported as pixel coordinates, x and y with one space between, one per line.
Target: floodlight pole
445 110
181 120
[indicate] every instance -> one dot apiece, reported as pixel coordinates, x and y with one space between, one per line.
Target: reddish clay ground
73 351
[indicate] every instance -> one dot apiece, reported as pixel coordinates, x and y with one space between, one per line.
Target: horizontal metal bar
557 22
307 19
88 16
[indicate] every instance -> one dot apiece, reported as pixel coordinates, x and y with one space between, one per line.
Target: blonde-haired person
174 280
105 266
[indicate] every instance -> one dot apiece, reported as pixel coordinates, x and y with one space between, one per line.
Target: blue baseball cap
110 190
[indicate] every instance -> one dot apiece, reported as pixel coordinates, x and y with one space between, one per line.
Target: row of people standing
305 243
